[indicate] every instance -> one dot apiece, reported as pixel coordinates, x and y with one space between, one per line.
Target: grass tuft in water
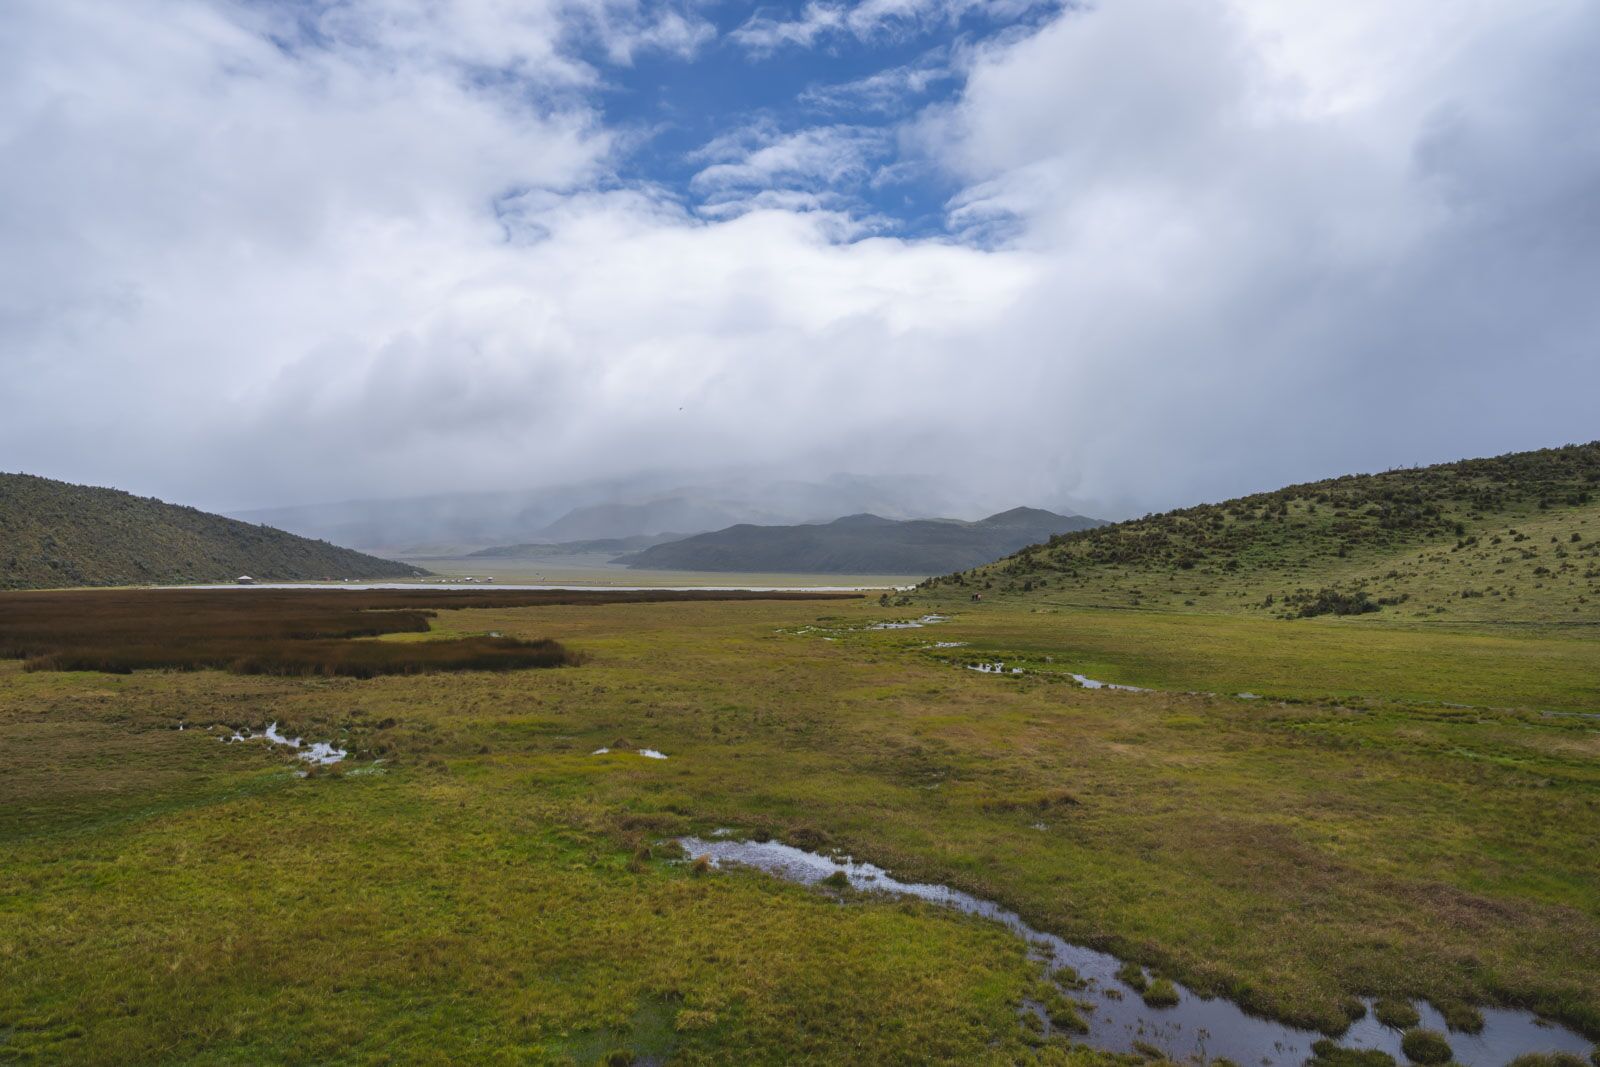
1462 1018
1067 977
1326 1053
1399 1014
1425 1046
1133 976
1064 1014
1161 994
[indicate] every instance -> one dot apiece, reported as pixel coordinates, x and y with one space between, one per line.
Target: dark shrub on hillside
1331 602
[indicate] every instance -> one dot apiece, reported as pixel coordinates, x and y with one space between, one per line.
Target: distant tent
244 579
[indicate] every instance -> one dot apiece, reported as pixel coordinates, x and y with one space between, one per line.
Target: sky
1129 254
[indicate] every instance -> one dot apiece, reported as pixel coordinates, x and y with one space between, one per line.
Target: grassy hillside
1514 538
860 544
55 534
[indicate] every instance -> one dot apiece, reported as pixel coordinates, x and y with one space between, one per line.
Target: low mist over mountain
861 544
55 534
648 505
600 546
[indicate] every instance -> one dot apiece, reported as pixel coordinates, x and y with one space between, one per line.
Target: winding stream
1195 1026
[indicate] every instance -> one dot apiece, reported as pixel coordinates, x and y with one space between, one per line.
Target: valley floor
1410 810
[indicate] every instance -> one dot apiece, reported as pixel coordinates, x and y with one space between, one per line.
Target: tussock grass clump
1161 994
1462 1018
1064 1014
1326 1053
1425 1046
1133 976
1067 977
1045 801
837 880
1396 1013
1552 1059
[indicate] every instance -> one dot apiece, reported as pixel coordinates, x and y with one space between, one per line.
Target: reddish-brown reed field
290 631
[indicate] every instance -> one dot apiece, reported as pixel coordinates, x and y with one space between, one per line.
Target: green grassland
474 885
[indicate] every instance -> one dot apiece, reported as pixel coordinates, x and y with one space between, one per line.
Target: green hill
1513 538
859 544
55 534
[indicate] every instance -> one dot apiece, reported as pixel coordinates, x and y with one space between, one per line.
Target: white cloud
866 20
888 92
1279 258
245 260
816 158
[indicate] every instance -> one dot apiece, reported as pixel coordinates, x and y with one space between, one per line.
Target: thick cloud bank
261 252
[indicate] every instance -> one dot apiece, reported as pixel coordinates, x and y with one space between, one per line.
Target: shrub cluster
290 632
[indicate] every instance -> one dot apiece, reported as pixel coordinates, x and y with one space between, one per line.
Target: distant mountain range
460 523
55 534
600 546
861 544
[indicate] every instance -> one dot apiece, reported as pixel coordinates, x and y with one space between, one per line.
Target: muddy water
1194 1027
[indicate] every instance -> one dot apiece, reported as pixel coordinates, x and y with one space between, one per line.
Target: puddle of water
318 752
1090 683
992 668
1195 1026
647 753
915 624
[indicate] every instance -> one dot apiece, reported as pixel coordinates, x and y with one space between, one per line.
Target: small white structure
244 579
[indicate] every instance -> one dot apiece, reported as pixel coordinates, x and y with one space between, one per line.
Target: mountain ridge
56 534
862 543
